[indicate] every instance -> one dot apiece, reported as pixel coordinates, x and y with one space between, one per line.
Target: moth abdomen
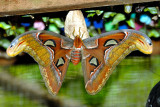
75 56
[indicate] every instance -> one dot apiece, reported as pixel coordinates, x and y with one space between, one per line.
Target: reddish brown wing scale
94 66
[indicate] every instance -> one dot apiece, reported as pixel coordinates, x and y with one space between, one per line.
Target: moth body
76 52
75 56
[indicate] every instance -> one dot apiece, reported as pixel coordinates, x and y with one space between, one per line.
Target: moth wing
96 71
50 50
60 49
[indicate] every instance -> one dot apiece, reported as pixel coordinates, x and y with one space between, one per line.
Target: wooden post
21 7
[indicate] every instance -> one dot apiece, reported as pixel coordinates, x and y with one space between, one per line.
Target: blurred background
21 84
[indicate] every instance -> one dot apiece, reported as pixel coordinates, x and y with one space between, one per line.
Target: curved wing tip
53 93
91 92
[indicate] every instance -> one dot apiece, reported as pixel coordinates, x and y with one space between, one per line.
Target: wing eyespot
110 42
50 43
60 62
94 61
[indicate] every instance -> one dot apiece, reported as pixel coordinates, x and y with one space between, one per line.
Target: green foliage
109 14
109 26
99 12
152 10
31 28
15 31
4 43
118 17
45 19
137 78
131 23
4 26
57 22
11 99
10 32
53 28
20 30
92 31
154 33
111 18
92 13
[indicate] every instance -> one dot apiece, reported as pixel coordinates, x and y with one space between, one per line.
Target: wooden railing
21 7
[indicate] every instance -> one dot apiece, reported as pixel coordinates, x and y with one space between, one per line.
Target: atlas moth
99 55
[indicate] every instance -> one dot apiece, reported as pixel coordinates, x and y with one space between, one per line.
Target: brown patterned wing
101 55
51 51
93 63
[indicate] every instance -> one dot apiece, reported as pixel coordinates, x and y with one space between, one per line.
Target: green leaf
91 14
119 17
152 10
9 32
5 26
109 26
4 43
20 30
154 33
53 27
31 28
45 19
92 31
57 21
99 12
109 14
131 23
